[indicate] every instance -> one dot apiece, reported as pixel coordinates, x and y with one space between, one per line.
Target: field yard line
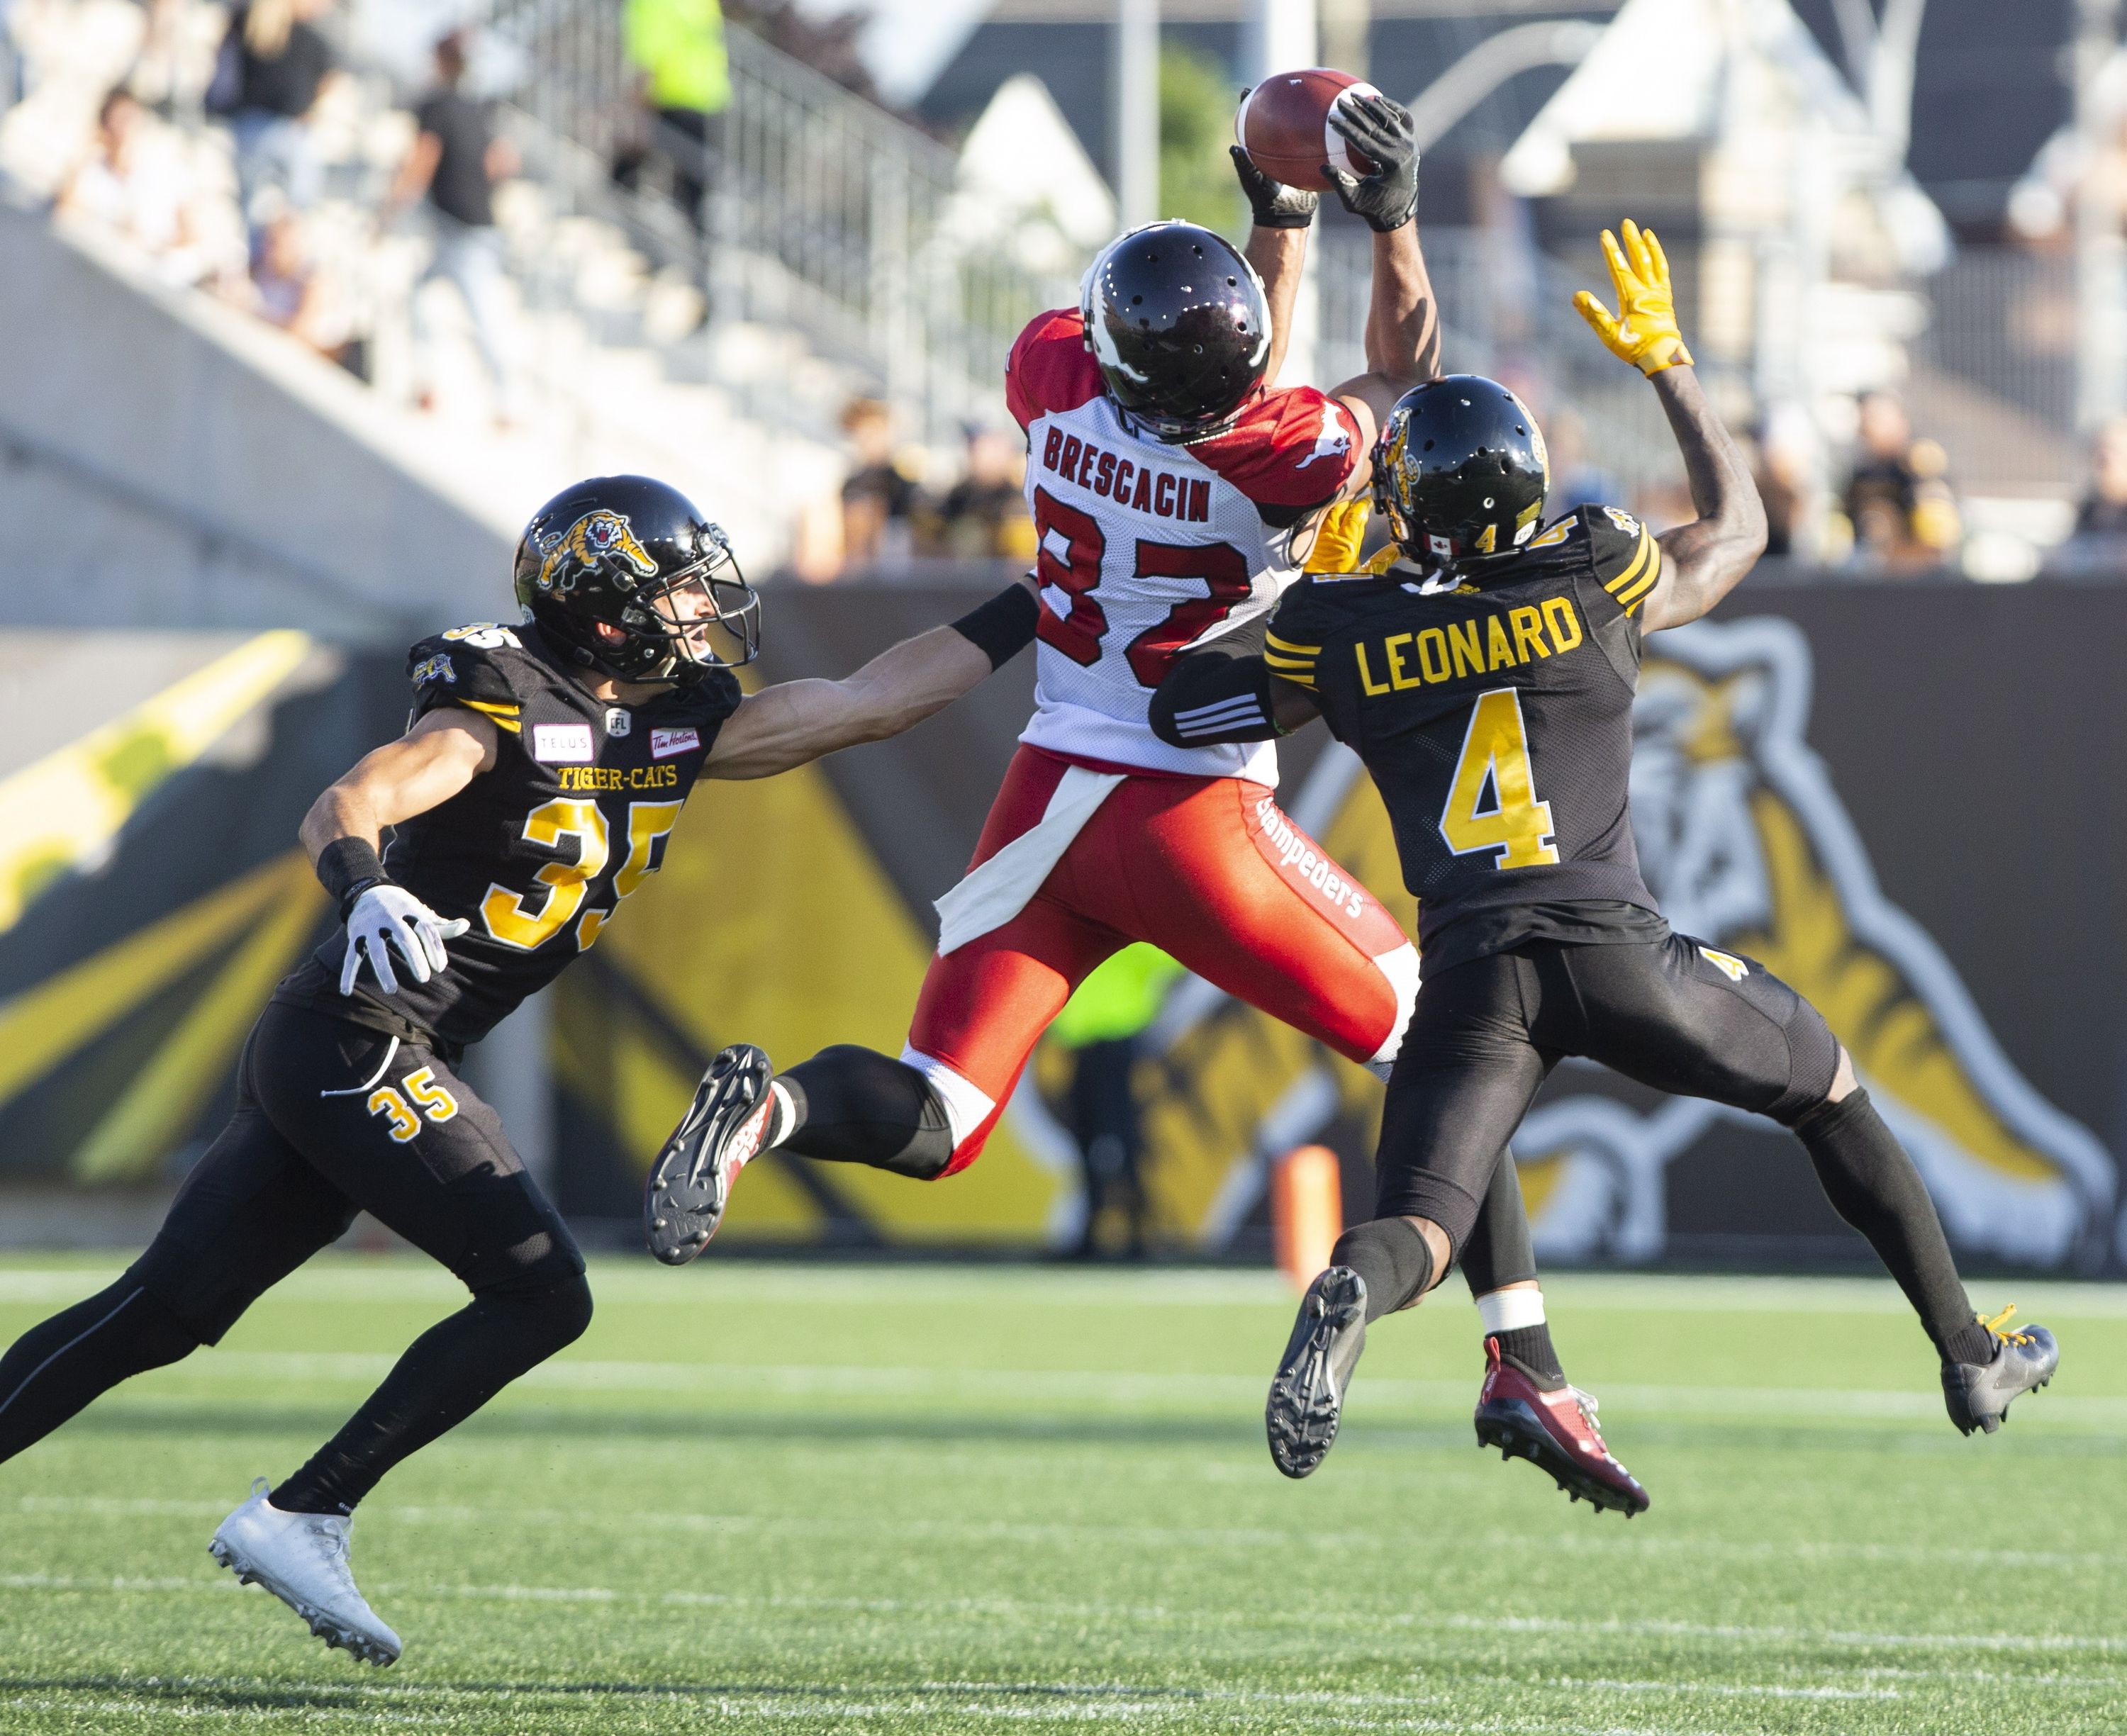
403 1278
803 1379
250 1714
1736 1633
1162 1536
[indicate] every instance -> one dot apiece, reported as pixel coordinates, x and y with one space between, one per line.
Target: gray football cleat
1978 1395
690 1183
1307 1394
302 1559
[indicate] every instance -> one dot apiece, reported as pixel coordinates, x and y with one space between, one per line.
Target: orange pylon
1306 1211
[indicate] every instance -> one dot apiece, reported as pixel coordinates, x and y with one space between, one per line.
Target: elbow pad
1003 628
1211 698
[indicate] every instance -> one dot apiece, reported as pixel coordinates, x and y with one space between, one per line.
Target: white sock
1508 1310
783 1123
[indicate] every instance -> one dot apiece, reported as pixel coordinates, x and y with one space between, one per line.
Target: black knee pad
555 1307
1813 1065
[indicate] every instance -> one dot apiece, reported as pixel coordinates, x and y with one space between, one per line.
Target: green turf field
771 1498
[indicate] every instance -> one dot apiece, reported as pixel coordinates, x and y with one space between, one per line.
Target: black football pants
1674 1014
331 1119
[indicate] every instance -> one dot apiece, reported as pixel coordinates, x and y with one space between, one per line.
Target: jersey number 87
1495 756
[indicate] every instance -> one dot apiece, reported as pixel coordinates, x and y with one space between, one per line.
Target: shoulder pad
469 666
1290 448
1049 368
1623 550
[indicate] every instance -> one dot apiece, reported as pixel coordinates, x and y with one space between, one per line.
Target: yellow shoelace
1995 1326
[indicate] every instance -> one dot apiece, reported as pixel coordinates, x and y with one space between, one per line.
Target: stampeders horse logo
1744 840
594 537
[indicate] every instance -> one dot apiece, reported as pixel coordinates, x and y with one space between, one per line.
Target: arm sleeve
1212 696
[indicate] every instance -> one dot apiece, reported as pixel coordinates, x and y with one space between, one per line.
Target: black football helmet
1180 327
1460 471
631 554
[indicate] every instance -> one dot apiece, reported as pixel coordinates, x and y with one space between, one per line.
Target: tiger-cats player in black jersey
536 785
1485 671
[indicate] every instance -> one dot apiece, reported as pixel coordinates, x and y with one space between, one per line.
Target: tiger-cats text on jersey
537 852
1495 717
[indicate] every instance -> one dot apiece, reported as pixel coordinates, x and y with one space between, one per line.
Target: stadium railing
826 213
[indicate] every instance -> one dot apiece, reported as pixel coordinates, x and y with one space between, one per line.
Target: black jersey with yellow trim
1493 707
537 852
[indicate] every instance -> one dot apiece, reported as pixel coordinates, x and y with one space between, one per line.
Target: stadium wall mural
1897 799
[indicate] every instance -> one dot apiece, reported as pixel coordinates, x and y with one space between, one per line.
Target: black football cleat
690 1183
1556 1433
1307 1394
1978 1395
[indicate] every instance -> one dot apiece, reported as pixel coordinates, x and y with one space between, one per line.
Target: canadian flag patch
664 743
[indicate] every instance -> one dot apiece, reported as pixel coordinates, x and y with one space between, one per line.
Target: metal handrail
826 214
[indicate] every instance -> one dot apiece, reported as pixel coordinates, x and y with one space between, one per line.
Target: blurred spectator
1575 481
984 515
1789 452
1102 1026
1898 499
289 291
2104 509
273 67
2096 551
678 47
456 161
134 185
880 498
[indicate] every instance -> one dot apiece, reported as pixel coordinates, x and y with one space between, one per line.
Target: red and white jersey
1148 550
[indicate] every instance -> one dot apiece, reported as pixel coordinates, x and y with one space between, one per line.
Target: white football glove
388 916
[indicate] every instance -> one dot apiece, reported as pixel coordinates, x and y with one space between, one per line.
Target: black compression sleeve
1003 628
1208 696
346 867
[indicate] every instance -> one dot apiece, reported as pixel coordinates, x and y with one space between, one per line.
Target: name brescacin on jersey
1162 493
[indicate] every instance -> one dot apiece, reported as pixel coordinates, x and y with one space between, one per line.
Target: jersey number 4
513 921
1495 758
1076 572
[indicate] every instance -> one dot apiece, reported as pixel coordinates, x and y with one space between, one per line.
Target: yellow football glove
1337 543
1644 331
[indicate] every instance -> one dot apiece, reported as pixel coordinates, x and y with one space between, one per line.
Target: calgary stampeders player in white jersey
1176 493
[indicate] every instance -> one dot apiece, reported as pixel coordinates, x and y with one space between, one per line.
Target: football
1284 126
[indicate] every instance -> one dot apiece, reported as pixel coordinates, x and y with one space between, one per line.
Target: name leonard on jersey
1504 638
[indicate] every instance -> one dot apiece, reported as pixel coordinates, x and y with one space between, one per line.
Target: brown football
1284 126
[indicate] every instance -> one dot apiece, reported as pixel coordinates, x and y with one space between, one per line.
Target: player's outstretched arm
795 722
1403 316
1704 561
1277 247
444 752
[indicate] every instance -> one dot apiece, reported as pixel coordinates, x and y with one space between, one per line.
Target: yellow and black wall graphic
1897 800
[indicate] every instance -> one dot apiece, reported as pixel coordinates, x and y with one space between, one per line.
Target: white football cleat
302 1559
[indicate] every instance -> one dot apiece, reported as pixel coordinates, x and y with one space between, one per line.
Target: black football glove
1377 127
1272 204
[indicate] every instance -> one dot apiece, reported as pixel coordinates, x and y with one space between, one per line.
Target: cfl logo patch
1727 963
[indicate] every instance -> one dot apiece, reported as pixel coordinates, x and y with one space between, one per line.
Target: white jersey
1148 550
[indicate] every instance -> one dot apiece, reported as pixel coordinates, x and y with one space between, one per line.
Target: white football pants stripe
1400 967
967 1106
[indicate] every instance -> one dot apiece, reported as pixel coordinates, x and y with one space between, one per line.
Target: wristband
346 868
1003 628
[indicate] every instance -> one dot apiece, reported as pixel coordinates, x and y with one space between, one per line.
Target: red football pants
1208 869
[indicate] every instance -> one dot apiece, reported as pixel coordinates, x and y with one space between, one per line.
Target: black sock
1873 1184
55 1369
855 1106
1530 1347
449 1372
1392 1256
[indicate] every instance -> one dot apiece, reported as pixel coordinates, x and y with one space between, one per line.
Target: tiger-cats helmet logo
1744 841
596 537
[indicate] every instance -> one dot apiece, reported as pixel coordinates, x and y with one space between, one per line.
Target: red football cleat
1556 1433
